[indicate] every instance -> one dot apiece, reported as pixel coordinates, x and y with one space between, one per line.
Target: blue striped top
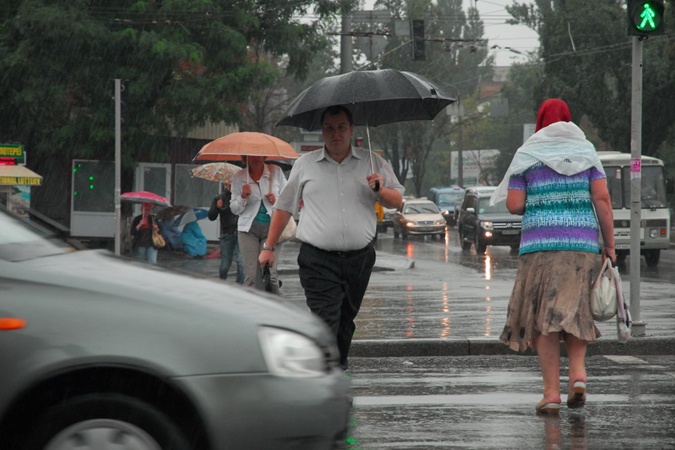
559 214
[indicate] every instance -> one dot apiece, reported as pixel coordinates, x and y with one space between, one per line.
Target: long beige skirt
551 294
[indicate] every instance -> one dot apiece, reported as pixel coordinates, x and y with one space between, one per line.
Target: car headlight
410 223
439 222
289 354
486 225
653 233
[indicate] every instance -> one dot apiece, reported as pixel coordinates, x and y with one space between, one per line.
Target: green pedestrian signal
645 17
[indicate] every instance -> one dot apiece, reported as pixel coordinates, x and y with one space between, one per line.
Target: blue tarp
171 234
194 241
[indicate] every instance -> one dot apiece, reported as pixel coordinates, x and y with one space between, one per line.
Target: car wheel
466 245
652 257
480 245
101 421
621 257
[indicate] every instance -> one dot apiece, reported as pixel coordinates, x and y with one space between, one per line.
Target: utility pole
118 164
457 109
460 161
346 47
638 328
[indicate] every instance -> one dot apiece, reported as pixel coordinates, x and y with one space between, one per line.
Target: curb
481 346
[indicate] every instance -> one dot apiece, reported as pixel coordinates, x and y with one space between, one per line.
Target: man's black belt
338 253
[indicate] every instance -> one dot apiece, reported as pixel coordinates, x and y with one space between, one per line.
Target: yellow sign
24 181
13 151
19 175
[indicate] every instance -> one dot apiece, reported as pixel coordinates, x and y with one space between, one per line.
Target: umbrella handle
372 166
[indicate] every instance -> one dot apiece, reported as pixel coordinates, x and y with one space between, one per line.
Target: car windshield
450 198
486 208
421 208
20 241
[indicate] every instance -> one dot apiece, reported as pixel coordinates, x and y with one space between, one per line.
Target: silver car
105 352
418 217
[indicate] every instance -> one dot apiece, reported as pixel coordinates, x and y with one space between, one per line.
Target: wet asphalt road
487 402
429 291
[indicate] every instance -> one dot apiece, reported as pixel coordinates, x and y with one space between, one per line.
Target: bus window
614 187
653 188
653 191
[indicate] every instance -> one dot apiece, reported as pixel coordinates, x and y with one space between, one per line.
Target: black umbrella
375 97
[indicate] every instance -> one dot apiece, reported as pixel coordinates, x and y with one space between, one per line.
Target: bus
655 213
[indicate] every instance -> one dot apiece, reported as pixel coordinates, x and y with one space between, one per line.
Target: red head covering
551 111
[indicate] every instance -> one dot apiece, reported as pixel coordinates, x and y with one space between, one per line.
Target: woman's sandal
546 408
576 398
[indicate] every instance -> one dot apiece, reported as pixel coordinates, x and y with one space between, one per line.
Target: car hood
424 217
94 303
500 217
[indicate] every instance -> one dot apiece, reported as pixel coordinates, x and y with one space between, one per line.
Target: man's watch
267 247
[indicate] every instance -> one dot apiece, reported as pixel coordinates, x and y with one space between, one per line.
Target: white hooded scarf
561 146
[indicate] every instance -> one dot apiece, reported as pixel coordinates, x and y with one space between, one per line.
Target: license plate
622 246
510 232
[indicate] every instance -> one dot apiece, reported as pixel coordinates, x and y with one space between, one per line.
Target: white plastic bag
604 293
623 318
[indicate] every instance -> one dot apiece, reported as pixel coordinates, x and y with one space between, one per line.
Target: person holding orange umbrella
254 193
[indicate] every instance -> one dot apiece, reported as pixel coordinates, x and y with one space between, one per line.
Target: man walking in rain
229 247
337 223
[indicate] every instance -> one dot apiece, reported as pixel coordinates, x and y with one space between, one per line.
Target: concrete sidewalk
391 268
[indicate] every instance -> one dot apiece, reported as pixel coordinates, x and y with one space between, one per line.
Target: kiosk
16 179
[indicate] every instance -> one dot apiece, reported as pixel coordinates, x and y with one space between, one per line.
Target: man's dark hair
335 110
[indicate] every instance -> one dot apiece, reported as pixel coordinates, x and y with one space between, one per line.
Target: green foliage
187 62
586 60
456 60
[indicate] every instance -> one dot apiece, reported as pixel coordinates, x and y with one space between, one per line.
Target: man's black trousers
334 284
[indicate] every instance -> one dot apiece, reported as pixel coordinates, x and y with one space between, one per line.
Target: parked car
100 351
388 220
446 198
418 217
481 224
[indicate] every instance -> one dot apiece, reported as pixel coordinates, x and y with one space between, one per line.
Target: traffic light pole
639 327
118 164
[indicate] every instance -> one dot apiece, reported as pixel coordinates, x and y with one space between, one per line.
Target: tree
187 62
587 61
454 59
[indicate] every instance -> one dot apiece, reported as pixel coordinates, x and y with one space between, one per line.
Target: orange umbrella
247 143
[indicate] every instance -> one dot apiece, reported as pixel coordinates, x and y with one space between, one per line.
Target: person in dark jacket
141 232
229 247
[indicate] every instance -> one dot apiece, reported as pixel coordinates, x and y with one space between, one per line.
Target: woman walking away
557 183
